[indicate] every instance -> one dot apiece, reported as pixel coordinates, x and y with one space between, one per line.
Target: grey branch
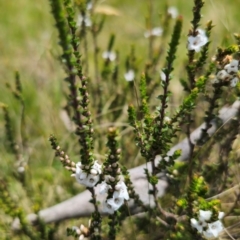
79 206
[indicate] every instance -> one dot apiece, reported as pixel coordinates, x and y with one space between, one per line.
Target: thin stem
149 27
191 145
85 50
96 69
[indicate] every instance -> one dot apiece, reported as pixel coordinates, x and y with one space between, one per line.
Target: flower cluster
119 194
229 73
209 230
86 175
196 42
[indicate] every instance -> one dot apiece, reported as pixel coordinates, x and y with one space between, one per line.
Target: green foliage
95 97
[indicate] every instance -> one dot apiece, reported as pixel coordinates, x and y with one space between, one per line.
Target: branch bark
79 205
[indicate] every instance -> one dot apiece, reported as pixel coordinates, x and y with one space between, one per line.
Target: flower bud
94 172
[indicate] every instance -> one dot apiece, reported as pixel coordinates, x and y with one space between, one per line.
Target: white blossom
104 188
21 169
84 20
234 82
173 12
209 230
166 159
108 208
109 55
118 196
229 73
88 179
96 166
215 228
223 75
196 42
204 215
208 234
156 32
221 215
115 202
121 191
163 76
129 75
94 171
92 180
89 5
232 67
198 224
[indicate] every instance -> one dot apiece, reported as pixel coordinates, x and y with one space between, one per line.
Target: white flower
21 169
221 215
198 224
94 171
121 191
129 75
196 42
163 76
232 67
166 159
173 12
107 208
234 82
96 166
215 228
104 188
89 5
109 55
209 230
223 75
79 173
208 234
204 215
84 20
92 180
116 202
157 31
88 179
